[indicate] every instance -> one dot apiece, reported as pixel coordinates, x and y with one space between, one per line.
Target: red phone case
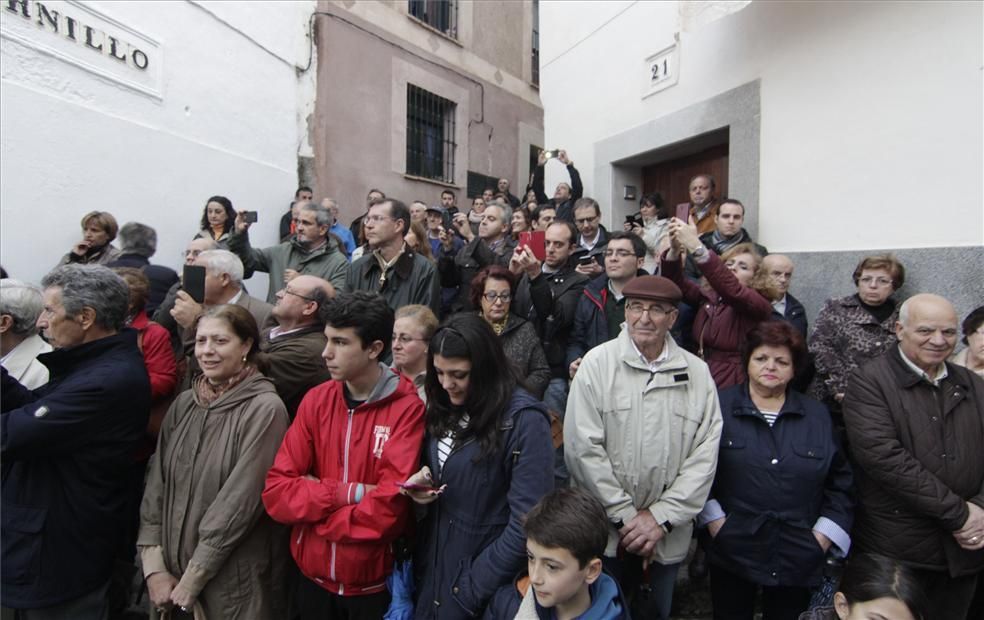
536 241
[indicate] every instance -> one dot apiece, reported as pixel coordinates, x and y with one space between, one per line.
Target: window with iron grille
535 78
430 135
438 14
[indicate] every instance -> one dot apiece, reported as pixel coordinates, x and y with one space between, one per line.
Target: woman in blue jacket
489 456
782 493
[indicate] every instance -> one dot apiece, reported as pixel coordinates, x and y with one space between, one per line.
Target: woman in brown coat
206 544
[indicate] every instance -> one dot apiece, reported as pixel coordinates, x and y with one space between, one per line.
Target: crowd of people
505 412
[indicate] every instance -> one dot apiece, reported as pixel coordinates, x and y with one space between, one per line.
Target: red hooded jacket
344 546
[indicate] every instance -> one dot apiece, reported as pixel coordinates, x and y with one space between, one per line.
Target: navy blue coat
66 450
472 541
773 484
795 314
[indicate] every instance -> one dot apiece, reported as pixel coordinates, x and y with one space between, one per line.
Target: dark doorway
671 177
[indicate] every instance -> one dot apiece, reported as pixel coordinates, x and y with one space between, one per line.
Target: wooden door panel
671 178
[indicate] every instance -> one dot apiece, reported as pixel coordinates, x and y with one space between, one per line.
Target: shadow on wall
954 273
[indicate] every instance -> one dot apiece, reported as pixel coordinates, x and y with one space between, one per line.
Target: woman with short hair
492 292
857 328
972 356
782 494
206 543
414 326
99 228
488 459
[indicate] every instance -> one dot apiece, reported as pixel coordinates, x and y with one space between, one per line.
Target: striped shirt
446 444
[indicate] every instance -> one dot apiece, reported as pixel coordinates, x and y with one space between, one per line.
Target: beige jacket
644 441
202 519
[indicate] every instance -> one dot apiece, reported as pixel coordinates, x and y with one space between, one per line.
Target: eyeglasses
192 253
586 220
492 297
618 253
405 340
879 282
375 219
287 291
654 312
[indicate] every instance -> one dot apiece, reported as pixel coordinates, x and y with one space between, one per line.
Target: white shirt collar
922 373
656 363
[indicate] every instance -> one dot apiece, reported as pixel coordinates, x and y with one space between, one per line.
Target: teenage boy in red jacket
336 476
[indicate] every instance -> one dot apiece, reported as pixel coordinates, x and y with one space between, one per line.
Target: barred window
430 135
438 14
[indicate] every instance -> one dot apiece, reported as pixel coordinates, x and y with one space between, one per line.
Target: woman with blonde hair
412 330
737 297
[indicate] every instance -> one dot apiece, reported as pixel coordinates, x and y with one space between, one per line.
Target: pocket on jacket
23 529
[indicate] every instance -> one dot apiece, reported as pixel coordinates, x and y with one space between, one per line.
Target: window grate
438 14
430 135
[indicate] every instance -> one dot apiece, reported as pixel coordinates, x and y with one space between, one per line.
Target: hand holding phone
683 212
193 282
250 217
536 241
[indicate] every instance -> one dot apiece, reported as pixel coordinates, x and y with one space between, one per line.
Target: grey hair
904 312
321 214
136 238
92 286
22 301
218 262
329 203
506 213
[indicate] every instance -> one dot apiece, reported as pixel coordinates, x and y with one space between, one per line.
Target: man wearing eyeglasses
295 344
601 307
392 268
641 434
593 237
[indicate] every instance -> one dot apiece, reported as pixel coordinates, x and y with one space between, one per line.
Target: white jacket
22 363
644 441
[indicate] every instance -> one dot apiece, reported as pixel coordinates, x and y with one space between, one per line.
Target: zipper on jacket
345 478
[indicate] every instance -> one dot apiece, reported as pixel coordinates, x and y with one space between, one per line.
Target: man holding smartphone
593 237
310 251
565 195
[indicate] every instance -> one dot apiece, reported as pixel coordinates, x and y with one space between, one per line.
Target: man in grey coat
310 251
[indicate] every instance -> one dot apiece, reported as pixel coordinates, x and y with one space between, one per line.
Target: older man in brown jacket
916 429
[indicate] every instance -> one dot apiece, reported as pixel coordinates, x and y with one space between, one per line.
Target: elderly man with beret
641 434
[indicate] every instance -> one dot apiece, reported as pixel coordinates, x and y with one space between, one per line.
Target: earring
244 358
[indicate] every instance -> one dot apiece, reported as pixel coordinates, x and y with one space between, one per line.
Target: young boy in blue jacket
566 534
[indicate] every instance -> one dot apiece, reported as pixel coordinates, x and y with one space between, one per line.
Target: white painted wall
871 122
230 121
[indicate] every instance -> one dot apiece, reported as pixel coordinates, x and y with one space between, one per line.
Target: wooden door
671 178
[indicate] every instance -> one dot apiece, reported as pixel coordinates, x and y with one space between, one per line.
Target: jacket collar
403 266
63 361
745 406
675 361
20 357
906 378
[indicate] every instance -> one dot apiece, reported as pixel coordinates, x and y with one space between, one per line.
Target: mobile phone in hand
587 259
551 154
683 212
250 217
193 282
417 487
536 241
